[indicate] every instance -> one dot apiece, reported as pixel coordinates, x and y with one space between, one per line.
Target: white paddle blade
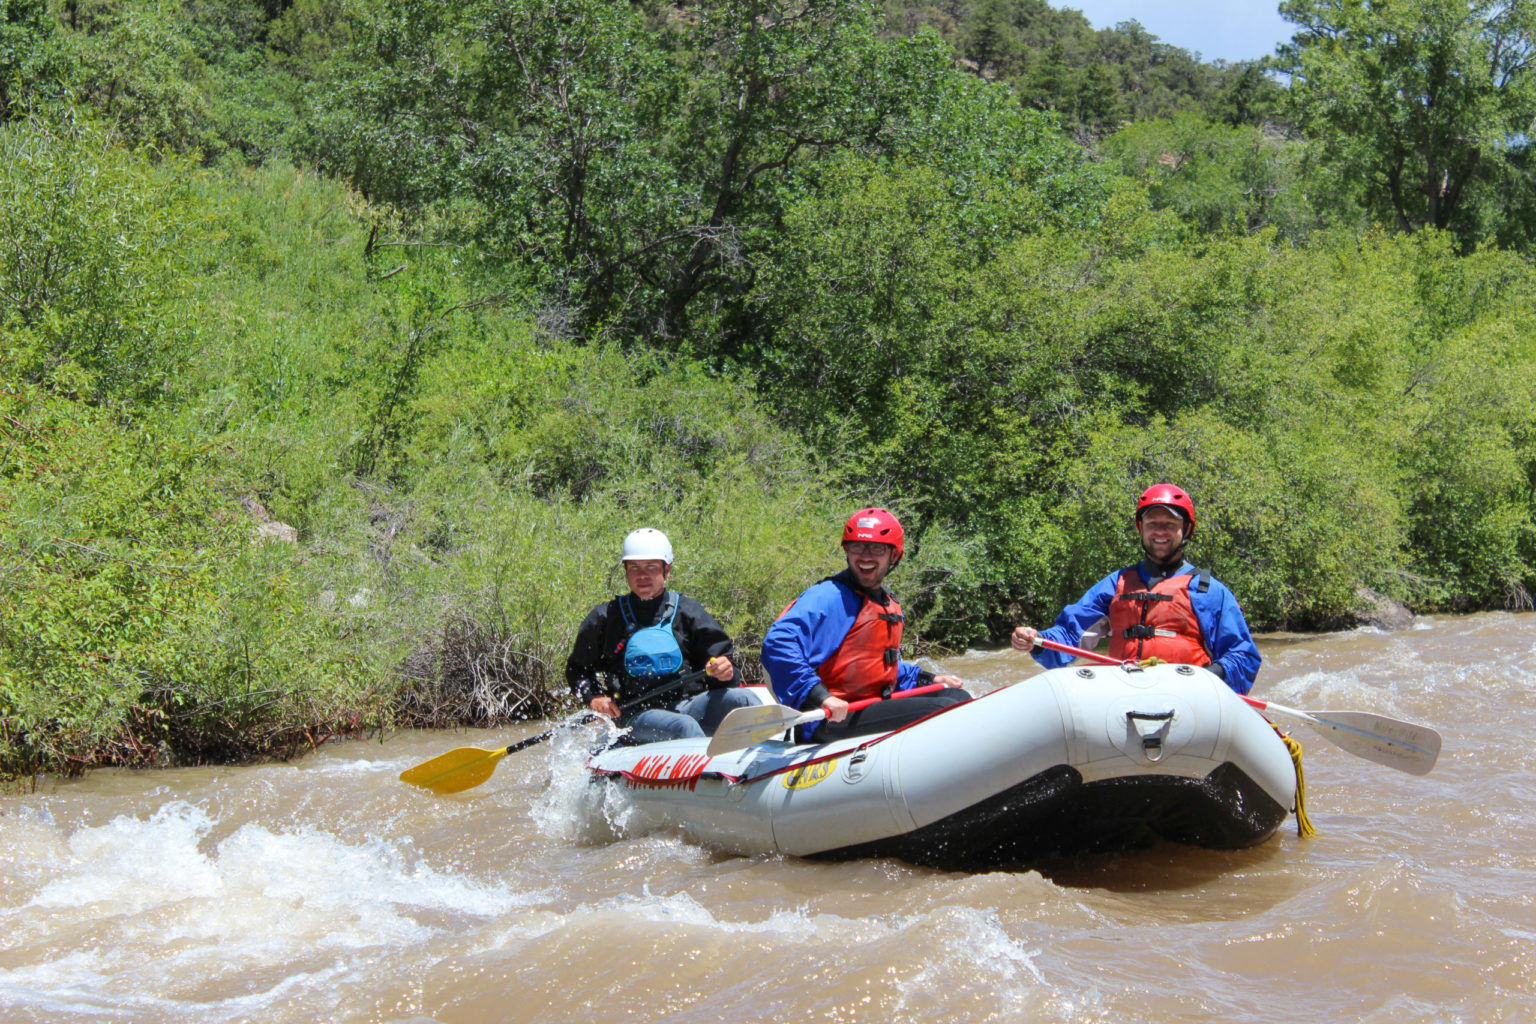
1388 741
746 726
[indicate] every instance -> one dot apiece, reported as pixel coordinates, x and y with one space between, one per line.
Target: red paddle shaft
867 701
1107 660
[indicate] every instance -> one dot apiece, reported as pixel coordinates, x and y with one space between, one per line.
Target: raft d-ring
1152 727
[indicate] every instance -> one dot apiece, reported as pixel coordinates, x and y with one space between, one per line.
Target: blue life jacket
652 652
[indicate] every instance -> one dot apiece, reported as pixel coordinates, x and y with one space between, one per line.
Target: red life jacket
866 662
1156 622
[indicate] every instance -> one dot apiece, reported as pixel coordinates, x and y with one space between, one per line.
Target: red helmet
875 524
1173 499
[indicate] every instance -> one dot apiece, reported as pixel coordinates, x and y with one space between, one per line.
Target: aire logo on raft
805 778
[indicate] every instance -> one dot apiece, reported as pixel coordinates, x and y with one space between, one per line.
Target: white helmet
646 543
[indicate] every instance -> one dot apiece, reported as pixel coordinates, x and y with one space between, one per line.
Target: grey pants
699 715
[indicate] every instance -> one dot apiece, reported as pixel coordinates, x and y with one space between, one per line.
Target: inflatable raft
1076 759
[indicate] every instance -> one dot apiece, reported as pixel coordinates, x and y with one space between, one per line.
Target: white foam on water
143 913
567 812
945 963
334 764
1339 691
973 968
797 924
131 864
682 910
627 914
69 989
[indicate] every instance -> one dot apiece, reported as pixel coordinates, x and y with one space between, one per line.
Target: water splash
147 916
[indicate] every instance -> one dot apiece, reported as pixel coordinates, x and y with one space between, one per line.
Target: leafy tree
1226 178
32 56
136 66
184 76
1419 102
627 154
1095 80
251 86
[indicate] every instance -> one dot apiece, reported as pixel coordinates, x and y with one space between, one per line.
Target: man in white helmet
629 647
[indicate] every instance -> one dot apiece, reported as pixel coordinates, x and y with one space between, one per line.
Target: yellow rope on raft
1304 827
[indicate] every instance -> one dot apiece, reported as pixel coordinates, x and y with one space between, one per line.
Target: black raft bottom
1055 812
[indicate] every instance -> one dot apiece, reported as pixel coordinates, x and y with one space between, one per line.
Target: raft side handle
857 766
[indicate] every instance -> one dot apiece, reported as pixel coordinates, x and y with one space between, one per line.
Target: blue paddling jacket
1224 631
809 632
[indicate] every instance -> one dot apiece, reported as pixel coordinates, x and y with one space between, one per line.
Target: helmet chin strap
1167 566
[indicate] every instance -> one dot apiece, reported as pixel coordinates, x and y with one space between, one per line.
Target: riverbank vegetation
344 339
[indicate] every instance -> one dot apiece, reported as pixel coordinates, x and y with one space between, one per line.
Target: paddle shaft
625 707
466 767
1052 645
819 714
1386 741
746 726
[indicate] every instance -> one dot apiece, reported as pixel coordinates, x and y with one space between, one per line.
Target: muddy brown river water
325 890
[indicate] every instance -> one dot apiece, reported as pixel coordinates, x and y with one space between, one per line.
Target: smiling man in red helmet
840 641
1162 607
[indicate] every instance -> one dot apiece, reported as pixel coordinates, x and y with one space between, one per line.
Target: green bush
140 623
93 267
1224 178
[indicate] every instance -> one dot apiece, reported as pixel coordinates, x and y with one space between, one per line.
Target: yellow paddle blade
453 772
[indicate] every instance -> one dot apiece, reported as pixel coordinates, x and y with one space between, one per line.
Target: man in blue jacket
840 641
1162 607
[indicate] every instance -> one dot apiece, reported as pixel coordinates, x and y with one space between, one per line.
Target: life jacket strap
663 617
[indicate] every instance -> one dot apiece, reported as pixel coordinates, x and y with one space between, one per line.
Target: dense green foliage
1096 80
343 341
1229 179
459 480
1425 106
631 158
96 285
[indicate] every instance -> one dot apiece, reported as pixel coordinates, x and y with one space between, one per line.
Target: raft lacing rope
1304 827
